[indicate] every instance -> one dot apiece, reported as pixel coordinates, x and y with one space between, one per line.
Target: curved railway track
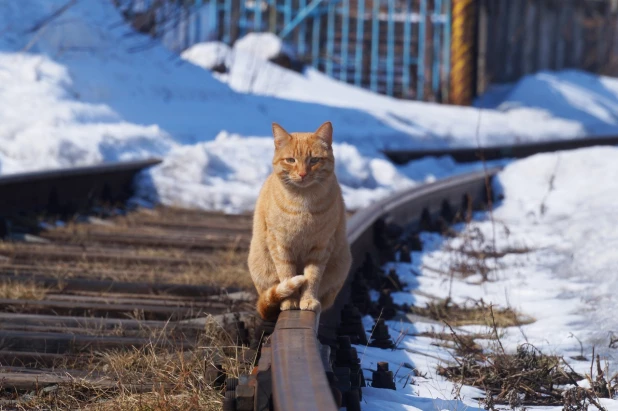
307 363
489 153
101 275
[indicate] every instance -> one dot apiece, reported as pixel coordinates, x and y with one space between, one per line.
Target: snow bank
43 123
264 46
392 123
559 212
566 202
561 208
589 99
208 55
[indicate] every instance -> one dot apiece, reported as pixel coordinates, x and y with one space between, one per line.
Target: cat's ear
282 137
325 133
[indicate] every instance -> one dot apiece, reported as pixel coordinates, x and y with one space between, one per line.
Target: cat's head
304 159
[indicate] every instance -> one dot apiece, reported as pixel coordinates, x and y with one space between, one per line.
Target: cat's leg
285 266
315 264
261 269
260 263
309 295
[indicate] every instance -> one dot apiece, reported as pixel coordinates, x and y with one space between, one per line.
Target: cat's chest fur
303 225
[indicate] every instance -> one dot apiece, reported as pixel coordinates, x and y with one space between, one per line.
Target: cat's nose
302 174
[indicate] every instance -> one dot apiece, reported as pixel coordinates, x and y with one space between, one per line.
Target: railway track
108 280
87 288
488 153
110 283
307 362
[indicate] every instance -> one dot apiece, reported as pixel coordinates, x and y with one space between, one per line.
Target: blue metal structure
345 30
399 48
375 39
358 56
330 40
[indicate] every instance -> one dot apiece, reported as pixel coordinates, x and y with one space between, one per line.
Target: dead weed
475 313
150 378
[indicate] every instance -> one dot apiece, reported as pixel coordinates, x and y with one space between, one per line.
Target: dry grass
463 344
475 313
159 376
226 268
149 378
528 377
16 290
222 268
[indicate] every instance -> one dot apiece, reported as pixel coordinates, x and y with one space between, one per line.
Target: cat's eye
314 160
290 160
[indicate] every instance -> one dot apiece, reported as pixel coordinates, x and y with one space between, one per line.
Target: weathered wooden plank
66 254
117 310
199 226
189 215
34 359
108 286
210 241
28 381
171 333
527 62
90 322
59 343
132 301
23 381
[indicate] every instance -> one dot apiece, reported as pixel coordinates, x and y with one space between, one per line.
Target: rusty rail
296 357
472 154
68 190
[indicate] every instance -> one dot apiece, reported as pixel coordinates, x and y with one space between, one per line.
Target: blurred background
197 84
449 51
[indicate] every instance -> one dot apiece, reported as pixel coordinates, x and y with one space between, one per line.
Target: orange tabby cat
299 255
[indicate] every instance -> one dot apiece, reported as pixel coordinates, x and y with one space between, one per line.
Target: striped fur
299 225
270 300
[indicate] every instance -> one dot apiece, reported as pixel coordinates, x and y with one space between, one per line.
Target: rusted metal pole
462 52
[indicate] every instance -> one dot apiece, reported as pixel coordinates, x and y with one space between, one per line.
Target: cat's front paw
310 304
289 304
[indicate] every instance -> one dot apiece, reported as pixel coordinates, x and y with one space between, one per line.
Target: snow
208 55
264 46
558 210
570 94
86 89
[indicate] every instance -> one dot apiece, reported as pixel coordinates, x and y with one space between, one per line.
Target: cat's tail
270 300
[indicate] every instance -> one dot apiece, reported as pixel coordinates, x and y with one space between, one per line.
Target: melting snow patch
263 45
556 263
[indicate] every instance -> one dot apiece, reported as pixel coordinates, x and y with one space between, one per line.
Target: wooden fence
520 37
431 50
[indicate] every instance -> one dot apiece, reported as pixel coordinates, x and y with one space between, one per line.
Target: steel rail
299 377
472 154
298 371
69 190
